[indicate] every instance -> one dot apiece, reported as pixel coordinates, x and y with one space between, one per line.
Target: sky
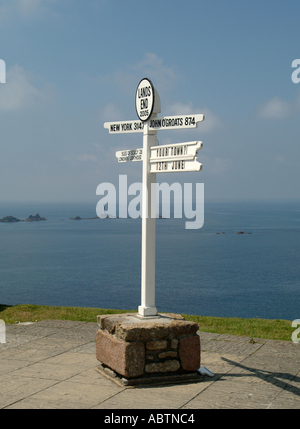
72 65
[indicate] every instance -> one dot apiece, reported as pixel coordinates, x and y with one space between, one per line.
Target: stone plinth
134 350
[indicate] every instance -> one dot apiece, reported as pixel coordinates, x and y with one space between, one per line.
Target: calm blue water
97 263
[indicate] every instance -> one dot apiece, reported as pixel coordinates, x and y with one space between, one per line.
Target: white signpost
124 127
146 100
166 123
174 166
130 155
174 158
176 122
186 150
180 157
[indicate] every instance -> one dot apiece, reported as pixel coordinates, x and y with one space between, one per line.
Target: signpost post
147 307
179 157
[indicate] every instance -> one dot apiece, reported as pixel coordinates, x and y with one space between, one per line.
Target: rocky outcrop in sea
31 218
35 218
10 219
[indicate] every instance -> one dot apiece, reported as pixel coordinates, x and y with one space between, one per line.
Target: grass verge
253 328
35 313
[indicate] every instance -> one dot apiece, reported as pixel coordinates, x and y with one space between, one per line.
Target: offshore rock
10 219
35 218
31 218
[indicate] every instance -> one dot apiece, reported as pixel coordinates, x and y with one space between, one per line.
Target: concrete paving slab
44 370
37 351
66 393
51 365
10 365
38 404
74 359
14 388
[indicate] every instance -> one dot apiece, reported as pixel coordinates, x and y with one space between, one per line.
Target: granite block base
134 351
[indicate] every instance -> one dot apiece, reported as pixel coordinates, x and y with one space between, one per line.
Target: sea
212 271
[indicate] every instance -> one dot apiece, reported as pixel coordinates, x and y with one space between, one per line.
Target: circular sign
144 99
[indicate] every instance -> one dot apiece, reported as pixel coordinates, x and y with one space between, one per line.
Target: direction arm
176 122
124 127
186 150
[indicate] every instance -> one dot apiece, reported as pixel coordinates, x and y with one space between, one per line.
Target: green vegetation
253 328
36 313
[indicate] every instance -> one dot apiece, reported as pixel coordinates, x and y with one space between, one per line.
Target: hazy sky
71 65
